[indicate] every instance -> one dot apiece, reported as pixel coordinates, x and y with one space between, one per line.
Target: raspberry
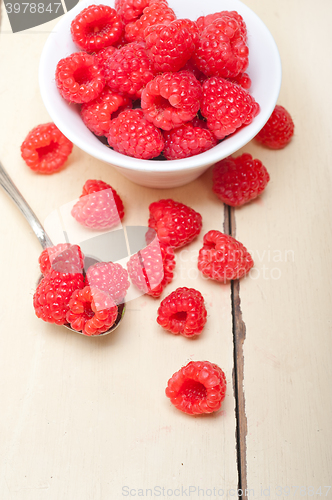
151 269
239 180
51 299
278 130
171 46
204 21
156 13
223 258
109 277
79 77
96 27
129 69
171 99
97 114
183 312
104 55
70 255
45 149
190 66
99 206
176 224
131 134
242 79
131 10
199 387
226 106
222 49
187 140
91 311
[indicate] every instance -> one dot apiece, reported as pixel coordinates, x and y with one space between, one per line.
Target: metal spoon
16 196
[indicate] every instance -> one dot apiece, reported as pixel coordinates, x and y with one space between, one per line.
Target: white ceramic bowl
264 70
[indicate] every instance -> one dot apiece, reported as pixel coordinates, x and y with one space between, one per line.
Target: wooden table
87 418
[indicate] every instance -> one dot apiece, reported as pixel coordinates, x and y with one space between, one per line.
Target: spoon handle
11 189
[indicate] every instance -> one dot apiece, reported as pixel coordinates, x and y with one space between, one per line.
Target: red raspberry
226 106
131 10
187 140
239 180
99 206
199 387
183 312
97 114
171 99
109 277
104 55
223 258
222 49
70 255
129 69
45 149
171 46
51 299
204 21
278 130
242 79
91 311
176 224
79 77
190 66
96 27
151 269
131 134
156 13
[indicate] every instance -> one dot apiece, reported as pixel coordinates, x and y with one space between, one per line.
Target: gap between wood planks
239 334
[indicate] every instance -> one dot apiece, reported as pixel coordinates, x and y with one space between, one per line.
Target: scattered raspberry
91 311
199 387
222 49
226 106
109 277
278 131
70 255
242 79
223 258
187 140
97 114
45 149
171 99
156 13
183 312
239 180
176 224
79 77
151 269
129 69
171 46
99 206
204 21
51 299
96 27
131 134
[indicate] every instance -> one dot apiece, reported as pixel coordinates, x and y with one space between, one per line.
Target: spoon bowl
10 188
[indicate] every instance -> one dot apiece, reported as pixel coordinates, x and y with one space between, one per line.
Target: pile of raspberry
89 302
156 86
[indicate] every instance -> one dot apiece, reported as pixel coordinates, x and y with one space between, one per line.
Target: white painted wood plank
82 418
286 304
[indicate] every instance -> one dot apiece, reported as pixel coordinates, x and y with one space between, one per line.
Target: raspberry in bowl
172 124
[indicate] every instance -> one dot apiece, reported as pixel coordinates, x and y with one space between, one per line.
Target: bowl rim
230 145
